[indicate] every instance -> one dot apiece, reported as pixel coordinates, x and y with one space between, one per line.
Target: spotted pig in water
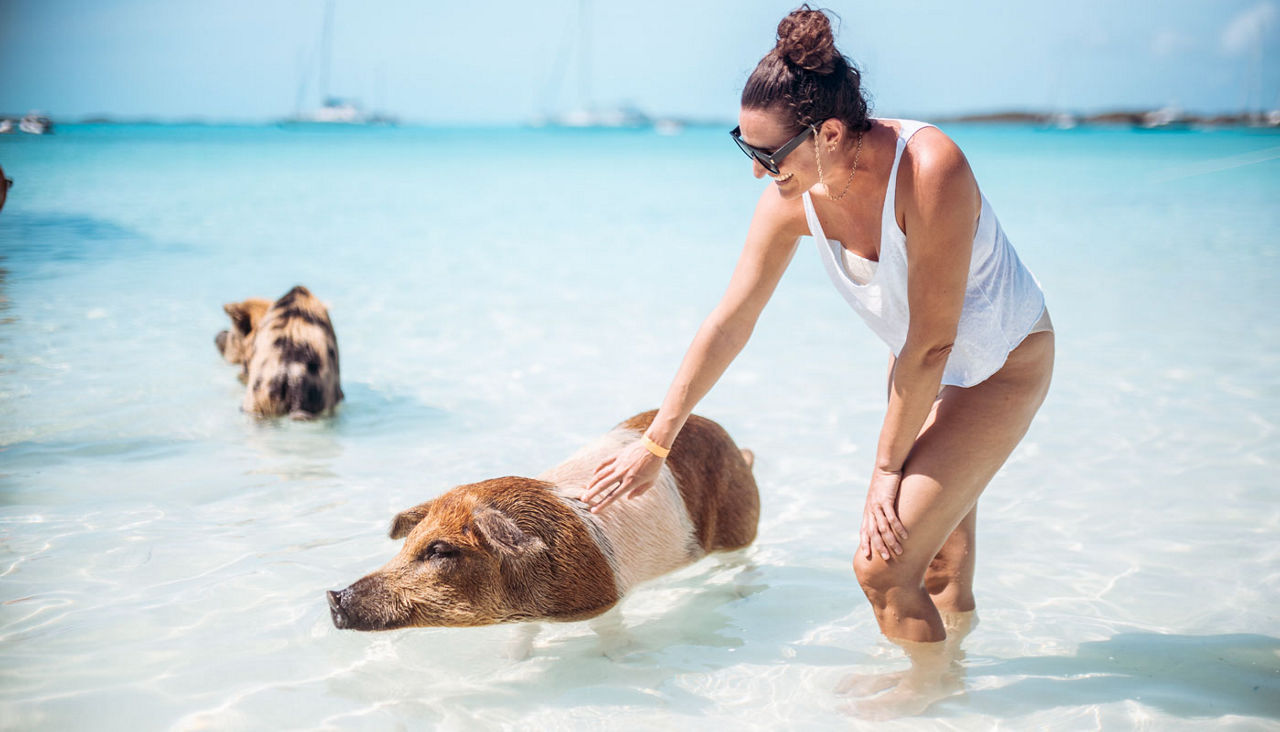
288 354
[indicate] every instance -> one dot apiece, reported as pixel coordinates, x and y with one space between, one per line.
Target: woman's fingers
877 534
881 532
877 544
609 496
628 486
628 474
602 470
606 474
602 482
885 518
896 524
599 483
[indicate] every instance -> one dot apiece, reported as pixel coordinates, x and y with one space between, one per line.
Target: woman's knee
878 577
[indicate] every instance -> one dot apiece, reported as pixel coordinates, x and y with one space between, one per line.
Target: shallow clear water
503 296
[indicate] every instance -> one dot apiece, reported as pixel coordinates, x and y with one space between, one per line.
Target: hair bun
805 40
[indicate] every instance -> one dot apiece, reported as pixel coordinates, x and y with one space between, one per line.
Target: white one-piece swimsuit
1003 302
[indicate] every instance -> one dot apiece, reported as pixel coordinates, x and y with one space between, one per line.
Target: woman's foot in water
935 674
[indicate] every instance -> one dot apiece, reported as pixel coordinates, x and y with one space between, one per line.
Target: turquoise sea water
503 296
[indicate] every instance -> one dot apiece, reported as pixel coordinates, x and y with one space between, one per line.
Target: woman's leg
968 437
949 578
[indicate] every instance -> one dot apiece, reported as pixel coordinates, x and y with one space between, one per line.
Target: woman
909 240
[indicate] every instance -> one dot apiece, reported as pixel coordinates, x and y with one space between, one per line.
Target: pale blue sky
495 62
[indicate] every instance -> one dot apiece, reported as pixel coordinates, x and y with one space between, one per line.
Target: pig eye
440 550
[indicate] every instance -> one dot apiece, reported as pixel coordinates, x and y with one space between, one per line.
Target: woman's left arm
941 210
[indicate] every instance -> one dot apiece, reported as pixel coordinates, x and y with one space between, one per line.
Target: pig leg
609 630
521 644
747 575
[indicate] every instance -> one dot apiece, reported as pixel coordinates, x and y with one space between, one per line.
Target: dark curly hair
807 77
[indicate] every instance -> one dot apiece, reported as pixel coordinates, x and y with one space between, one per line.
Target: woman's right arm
771 241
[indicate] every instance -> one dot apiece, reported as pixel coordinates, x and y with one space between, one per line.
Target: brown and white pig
527 549
288 355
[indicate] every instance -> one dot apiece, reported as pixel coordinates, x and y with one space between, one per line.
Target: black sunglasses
770 160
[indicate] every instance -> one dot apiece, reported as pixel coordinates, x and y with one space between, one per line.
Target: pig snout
340 619
365 605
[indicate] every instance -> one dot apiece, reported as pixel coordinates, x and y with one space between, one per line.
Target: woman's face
765 129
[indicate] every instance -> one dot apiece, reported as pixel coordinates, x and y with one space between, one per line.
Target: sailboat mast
584 55
326 47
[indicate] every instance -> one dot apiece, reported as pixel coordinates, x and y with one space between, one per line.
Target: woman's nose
757 169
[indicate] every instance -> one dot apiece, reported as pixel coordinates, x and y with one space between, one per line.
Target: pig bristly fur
518 549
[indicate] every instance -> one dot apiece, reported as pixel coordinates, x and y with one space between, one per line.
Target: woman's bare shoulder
932 160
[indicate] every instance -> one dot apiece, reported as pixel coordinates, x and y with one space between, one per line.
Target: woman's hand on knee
882 533
630 473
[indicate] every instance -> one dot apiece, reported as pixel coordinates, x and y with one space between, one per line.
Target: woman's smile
783 178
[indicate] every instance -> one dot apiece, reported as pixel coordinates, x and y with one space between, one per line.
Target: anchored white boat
333 110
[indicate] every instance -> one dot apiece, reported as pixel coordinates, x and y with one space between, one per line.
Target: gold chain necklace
856 155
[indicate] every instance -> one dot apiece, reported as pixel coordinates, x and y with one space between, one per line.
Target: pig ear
504 535
404 521
240 318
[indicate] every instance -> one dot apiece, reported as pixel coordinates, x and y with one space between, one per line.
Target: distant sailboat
33 123
333 110
1063 121
1169 117
586 112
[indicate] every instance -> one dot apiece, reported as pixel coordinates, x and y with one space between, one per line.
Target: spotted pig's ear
241 319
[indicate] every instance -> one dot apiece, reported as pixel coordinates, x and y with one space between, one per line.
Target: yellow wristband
655 448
